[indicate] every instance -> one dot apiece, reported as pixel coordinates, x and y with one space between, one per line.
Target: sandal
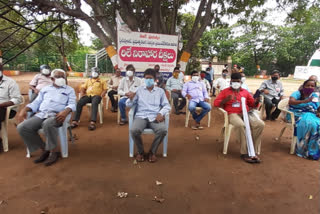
123 122
248 159
74 124
152 158
200 127
92 126
194 127
139 158
256 159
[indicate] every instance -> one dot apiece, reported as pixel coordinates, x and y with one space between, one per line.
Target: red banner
143 54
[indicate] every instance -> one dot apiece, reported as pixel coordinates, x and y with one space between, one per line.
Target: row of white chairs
65 129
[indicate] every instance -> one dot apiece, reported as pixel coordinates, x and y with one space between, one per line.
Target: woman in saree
304 103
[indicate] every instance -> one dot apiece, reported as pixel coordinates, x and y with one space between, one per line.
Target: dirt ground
196 176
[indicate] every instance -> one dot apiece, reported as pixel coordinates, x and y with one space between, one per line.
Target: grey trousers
137 128
175 97
29 128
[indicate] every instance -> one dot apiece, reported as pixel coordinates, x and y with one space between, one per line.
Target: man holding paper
230 100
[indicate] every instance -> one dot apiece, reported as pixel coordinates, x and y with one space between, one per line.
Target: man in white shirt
243 80
222 82
9 95
174 84
127 88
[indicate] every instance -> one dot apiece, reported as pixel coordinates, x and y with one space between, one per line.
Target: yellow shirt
94 86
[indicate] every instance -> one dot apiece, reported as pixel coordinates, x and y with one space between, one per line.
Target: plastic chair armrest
226 117
291 115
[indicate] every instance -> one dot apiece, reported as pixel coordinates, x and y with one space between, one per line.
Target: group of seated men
55 100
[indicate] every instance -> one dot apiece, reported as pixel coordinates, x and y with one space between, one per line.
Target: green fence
31 63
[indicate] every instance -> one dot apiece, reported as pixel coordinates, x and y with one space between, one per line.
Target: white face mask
95 74
235 85
1 74
129 73
243 79
195 78
60 81
45 71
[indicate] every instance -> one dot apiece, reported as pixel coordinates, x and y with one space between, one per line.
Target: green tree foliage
296 44
218 42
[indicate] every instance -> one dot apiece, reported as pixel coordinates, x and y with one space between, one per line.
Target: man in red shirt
230 100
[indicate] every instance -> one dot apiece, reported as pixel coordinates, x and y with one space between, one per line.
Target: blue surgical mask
149 82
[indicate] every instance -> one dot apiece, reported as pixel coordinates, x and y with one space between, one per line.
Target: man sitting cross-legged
93 90
152 105
51 106
230 100
198 96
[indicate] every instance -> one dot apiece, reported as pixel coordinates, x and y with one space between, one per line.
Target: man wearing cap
92 92
273 92
51 108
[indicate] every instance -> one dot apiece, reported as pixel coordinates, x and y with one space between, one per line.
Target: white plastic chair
227 127
147 131
100 109
262 109
63 137
4 125
117 98
198 109
283 106
226 130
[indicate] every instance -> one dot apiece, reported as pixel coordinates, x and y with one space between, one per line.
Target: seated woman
305 105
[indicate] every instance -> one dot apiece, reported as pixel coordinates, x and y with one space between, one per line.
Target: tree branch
97 9
128 14
56 6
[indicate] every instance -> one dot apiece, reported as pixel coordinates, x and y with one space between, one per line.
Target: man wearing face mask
127 88
92 91
205 81
9 95
243 84
222 82
174 84
159 77
230 100
273 92
152 106
51 108
39 81
198 96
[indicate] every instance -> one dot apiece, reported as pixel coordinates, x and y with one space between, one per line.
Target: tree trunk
156 16
200 24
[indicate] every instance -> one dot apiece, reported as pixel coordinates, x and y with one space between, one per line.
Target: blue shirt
211 73
52 100
197 91
150 103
